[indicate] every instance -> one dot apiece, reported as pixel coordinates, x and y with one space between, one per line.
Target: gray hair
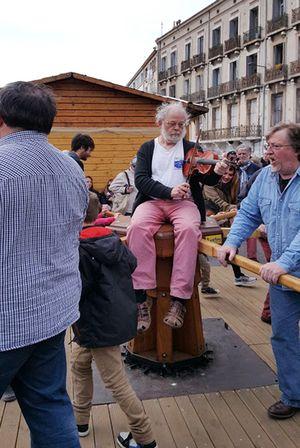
244 146
163 110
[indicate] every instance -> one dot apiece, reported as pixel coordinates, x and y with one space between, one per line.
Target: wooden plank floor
225 419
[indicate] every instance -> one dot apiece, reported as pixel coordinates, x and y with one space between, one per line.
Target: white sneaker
125 440
244 280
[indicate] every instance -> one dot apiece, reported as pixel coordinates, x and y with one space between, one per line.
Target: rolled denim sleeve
247 219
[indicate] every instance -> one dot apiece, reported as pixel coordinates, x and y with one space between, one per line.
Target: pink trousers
147 219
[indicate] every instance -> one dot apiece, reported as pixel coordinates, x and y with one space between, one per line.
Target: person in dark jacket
165 195
108 318
82 146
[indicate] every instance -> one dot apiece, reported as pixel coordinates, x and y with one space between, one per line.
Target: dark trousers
37 374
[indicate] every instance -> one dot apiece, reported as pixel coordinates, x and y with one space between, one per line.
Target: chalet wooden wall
118 121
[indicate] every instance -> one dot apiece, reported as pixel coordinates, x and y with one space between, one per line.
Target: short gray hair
244 146
163 110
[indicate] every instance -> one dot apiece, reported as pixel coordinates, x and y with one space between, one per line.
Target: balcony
215 51
277 23
247 82
214 91
295 16
230 86
196 97
186 65
162 75
198 59
172 71
276 73
234 43
252 131
252 35
295 68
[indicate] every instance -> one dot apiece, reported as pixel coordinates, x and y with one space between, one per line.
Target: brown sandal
175 316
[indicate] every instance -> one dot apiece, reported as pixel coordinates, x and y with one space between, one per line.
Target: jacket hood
105 249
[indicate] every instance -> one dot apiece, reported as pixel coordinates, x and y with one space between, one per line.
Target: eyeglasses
274 146
180 124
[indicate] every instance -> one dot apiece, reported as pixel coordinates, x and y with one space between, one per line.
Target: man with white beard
165 196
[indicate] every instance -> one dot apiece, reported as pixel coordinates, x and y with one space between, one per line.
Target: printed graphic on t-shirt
178 163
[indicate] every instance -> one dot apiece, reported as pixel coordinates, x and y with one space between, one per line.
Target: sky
104 39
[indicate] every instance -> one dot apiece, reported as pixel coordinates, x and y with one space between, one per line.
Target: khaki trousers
110 366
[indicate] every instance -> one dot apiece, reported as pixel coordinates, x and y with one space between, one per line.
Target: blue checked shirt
279 211
43 198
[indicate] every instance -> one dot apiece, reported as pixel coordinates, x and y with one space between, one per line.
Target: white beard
172 138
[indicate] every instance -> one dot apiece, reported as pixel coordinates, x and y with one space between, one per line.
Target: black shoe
8 395
266 320
279 410
126 440
83 430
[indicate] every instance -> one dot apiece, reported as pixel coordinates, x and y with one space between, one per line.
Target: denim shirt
279 211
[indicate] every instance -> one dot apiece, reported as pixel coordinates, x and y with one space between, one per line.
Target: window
172 91
233 116
216 37
251 68
199 82
200 45
278 54
186 87
278 8
163 64
187 51
233 28
252 112
173 58
163 92
298 106
216 118
253 19
233 71
276 109
216 77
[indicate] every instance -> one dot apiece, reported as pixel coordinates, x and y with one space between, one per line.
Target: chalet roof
193 109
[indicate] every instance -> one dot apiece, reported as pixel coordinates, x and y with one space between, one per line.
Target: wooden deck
215 420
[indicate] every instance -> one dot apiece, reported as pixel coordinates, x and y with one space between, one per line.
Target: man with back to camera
43 202
82 146
274 200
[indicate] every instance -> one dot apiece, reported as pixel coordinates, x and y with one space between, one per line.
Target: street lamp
263 98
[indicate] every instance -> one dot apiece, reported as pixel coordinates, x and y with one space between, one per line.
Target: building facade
146 77
241 59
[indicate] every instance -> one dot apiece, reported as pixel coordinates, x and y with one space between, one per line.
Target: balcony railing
232 132
198 59
214 91
295 67
186 65
162 75
252 35
198 97
215 51
249 81
277 72
172 71
232 44
230 86
277 23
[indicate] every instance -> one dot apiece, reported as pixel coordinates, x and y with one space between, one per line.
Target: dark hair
82 141
93 209
27 106
293 133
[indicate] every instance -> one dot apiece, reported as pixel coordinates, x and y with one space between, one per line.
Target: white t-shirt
167 164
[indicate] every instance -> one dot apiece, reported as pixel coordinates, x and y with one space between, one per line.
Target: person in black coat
164 195
108 318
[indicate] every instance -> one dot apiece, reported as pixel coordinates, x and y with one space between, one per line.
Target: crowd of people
51 279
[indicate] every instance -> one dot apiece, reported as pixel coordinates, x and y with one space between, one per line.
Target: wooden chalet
118 118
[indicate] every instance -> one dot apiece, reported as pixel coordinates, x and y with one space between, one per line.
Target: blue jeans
285 312
37 374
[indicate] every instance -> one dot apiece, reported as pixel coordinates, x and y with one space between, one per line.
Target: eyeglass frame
274 146
172 124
